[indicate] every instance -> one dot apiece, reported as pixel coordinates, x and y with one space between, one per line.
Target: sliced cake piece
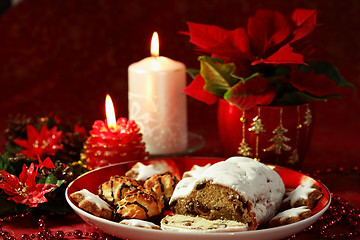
182 223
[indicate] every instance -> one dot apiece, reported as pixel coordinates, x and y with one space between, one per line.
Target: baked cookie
140 223
290 216
307 194
113 190
239 189
92 203
182 223
141 204
163 184
196 171
141 172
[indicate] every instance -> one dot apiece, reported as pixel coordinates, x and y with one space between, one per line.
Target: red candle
113 141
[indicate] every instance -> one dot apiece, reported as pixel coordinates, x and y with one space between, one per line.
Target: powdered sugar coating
196 170
184 187
256 182
292 212
145 171
301 192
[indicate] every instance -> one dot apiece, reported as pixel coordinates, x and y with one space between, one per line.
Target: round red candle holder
107 145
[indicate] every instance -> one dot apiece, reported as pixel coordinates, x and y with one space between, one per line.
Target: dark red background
63 56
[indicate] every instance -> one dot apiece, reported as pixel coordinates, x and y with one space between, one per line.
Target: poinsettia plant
41 158
266 63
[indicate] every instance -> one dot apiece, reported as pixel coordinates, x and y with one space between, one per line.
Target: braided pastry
141 204
163 184
114 190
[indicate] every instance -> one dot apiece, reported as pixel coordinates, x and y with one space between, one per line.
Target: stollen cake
239 189
182 223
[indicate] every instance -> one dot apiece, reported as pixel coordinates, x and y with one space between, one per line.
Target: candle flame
110 112
154 49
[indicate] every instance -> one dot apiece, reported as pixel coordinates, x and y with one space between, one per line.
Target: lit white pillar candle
157 102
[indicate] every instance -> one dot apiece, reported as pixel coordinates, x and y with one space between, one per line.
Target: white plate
94 178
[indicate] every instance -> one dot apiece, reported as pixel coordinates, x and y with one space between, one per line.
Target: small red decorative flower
46 163
45 142
24 189
81 131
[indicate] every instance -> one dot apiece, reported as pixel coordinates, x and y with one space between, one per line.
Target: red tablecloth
63 56
347 194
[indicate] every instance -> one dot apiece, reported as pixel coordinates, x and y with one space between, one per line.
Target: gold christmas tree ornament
257 126
244 149
279 140
308 116
276 135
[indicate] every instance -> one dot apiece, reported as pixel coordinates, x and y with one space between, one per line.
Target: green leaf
51 179
327 69
297 97
4 162
218 76
272 71
280 71
59 182
193 72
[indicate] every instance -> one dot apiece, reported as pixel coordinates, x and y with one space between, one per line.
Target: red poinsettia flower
266 39
24 189
196 90
263 63
247 95
45 142
318 85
